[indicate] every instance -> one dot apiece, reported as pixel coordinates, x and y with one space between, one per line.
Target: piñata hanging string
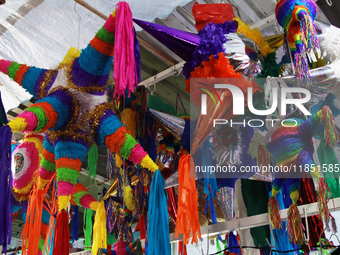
79 18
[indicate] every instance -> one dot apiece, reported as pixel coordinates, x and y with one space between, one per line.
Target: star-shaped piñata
73 109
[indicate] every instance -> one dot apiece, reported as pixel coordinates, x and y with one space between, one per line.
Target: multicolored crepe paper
296 17
212 39
82 197
25 163
293 147
73 111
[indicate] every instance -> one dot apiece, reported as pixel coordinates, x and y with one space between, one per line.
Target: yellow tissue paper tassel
129 118
99 229
42 183
149 164
119 161
94 205
255 35
128 198
70 56
63 202
18 124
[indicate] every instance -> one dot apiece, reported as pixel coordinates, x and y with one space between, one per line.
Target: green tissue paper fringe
129 144
270 68
41 244
104 35
92 161
218 246
78 196
47 165
327 156
111 239
12 69
88 229
67 175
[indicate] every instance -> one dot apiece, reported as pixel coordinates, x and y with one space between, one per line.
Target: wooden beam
155 52
22 106
90 8
12 113
158 45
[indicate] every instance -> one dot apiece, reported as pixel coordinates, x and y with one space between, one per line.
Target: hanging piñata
74 112
26 158
296 17
292 148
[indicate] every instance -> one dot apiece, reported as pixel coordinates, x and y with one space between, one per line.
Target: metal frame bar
98 178
162 75
258 220
264 23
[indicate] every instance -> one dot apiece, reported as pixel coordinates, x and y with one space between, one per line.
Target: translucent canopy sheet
39 33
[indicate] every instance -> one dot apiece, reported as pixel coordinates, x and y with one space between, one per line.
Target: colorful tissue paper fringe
294 146
82 197
158 218
212 38
25 162
74 109
187 214
47 164
296 17
125 72
216 13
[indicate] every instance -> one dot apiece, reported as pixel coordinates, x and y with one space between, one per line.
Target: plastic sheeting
9 8
43 36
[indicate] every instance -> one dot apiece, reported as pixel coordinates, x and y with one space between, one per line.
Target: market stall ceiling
40 32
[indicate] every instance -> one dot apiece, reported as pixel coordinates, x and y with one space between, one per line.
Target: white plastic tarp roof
43 36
